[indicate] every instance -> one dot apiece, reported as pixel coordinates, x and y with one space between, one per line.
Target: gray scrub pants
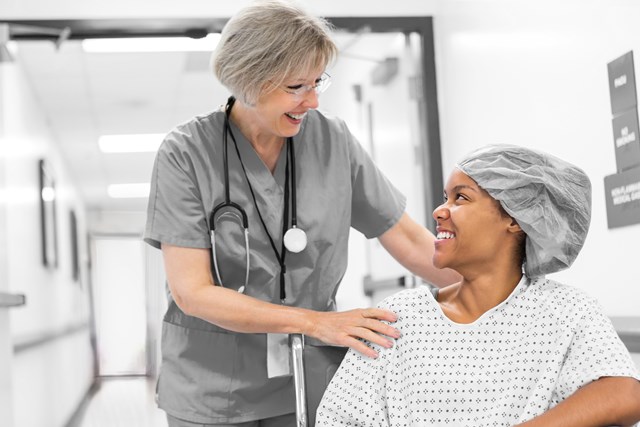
288 420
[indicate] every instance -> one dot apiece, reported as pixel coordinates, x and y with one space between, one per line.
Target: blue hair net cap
548 197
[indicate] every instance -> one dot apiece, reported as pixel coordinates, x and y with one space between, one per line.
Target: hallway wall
52 365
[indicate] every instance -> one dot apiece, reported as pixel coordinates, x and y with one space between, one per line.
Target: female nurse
270 155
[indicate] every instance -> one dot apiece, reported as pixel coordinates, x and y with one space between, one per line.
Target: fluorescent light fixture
129 191
134 143
151 44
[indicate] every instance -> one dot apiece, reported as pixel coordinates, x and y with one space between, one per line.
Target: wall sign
622 190
626 140
622 83
622 193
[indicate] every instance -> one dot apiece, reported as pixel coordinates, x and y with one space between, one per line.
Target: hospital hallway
90 90
121 401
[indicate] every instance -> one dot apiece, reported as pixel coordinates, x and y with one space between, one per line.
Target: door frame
93 323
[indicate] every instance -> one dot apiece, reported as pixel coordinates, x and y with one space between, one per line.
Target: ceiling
85 95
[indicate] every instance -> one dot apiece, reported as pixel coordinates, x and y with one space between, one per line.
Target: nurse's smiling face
473 233
281 112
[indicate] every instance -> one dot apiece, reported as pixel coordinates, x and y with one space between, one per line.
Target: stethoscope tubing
247 261
227 203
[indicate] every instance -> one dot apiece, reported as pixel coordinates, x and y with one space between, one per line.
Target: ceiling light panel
151 44
128 191
135 143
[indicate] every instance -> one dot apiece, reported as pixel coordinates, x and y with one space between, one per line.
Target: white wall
54 376
116 222
6 343
535 74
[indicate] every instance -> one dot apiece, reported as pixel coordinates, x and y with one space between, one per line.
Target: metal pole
297 348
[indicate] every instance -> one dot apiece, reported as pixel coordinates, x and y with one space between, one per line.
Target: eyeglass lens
321 85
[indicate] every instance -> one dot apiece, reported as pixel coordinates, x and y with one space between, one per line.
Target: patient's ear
514 227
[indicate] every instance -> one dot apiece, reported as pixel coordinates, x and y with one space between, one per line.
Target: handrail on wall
628 329
12 300
370 286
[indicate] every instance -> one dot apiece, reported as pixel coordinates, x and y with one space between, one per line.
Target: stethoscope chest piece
295 240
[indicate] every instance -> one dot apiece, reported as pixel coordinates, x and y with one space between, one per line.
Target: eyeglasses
299 90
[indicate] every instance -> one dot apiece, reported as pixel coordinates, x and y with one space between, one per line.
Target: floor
124 402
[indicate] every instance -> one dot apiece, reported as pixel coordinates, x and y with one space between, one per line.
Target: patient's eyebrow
461 187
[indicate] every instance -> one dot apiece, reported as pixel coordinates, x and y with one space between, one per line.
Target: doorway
120 305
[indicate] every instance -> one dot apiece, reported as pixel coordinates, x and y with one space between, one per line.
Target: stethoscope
294 239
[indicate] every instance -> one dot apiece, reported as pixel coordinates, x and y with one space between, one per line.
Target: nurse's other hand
344 328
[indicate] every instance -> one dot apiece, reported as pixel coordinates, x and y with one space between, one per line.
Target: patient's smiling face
472 230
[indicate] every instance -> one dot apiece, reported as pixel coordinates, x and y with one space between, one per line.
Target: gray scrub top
209 374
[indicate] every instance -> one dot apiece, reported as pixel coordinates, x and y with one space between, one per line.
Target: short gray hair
270 40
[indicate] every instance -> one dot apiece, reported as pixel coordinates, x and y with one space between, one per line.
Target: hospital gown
515 362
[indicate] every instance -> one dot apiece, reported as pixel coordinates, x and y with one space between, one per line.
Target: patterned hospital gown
515 362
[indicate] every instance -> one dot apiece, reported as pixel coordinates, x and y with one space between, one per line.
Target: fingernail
397 334
389 344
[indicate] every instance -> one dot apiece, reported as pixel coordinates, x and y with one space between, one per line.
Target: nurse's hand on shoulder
344 328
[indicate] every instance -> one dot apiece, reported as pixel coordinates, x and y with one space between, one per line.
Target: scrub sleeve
212 375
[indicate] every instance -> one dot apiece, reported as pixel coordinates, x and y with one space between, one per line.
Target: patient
505 346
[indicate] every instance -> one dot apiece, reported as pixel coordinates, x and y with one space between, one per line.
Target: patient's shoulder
548 288
415 300
559 298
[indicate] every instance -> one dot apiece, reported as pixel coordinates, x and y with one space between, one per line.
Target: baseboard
76 418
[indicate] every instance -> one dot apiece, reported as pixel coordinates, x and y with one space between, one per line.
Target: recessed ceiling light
128 191
134 143
151 44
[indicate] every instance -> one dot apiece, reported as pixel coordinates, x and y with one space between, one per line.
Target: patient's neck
478 292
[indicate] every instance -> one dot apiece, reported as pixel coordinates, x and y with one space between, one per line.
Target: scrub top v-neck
210 374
